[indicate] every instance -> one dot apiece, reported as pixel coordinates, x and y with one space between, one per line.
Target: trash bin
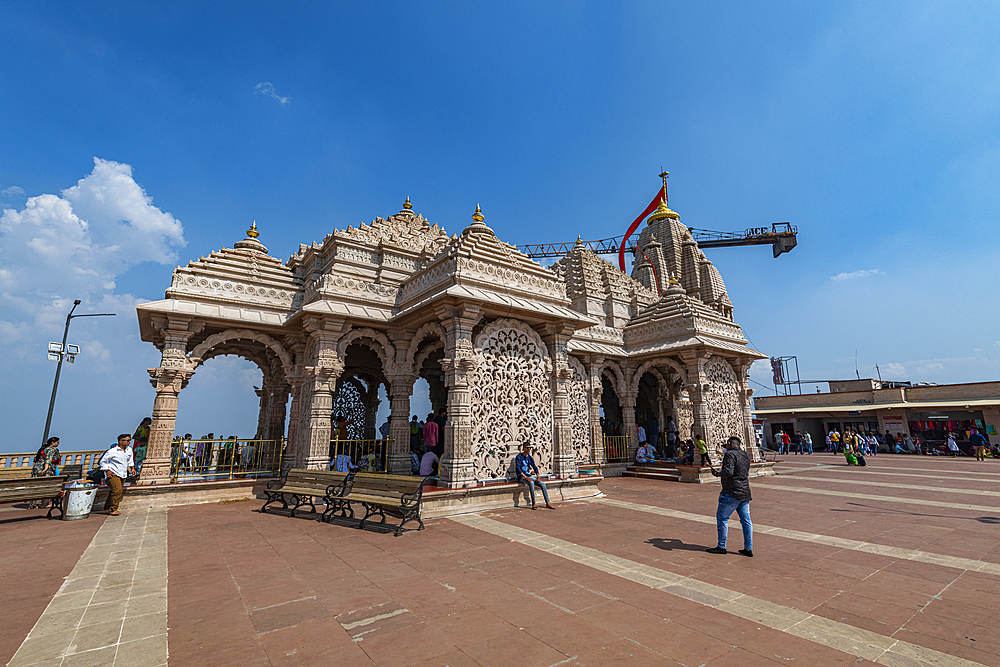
78 498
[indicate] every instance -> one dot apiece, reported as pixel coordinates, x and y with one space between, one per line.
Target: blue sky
871 126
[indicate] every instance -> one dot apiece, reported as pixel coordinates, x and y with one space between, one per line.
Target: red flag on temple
661 195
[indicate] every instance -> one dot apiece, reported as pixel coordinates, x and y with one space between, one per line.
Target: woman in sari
849 451
45 464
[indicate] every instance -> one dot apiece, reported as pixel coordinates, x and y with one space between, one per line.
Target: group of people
207 452
427 443
800 443
680 451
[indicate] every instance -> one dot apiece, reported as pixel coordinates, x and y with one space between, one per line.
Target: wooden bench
397 495
302 485
33 488
20 472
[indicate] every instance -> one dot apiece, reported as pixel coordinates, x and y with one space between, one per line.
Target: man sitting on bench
524 464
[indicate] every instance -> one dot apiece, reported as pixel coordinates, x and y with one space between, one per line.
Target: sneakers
716 550
747 552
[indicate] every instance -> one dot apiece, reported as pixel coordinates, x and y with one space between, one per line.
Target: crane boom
781 236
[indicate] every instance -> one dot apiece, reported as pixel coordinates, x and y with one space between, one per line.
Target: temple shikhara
563 356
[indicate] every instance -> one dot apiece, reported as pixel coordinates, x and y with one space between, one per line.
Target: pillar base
154 471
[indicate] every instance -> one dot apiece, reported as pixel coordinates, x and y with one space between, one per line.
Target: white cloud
267 88
860 273
73 246
12 191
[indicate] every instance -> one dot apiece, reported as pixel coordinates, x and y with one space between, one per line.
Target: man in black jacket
735 496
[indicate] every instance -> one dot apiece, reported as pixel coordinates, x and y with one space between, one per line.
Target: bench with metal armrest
33 488
300 486
397 495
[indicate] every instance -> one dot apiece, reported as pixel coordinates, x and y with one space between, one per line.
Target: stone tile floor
876 572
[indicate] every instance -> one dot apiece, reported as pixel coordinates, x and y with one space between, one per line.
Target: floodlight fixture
59 352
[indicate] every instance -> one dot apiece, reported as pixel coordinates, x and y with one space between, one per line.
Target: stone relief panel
349 402
685 419
511 396
579 409
725 414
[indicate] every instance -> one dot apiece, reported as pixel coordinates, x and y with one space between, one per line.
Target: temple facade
513 351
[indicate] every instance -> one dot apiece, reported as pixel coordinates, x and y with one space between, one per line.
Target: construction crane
780 236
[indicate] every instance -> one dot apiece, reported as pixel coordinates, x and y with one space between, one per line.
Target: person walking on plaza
786 442
527 473
978 440
735 497
796 443
807 441
779 441
140 440
702 448
952 445
835 438
117 464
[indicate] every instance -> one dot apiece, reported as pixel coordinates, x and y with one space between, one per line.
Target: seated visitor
527 473
644 454
415 460
429 463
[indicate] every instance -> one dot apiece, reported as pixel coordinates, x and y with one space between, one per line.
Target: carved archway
427 330
376 340
195 358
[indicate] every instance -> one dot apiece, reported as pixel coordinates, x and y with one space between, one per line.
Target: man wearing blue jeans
735 497
524 465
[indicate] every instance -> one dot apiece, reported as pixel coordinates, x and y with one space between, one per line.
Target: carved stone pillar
698 390
628 421
263 411
555 338
278 406
398 457
321 374
595 393
289 458
168 379
458 362
371 403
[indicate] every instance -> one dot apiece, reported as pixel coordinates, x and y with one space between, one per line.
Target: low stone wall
190 493
447 502
703 474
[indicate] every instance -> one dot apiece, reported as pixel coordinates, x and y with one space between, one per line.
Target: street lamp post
63 353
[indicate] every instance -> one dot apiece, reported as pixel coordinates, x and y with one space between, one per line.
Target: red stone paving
252 589
36 555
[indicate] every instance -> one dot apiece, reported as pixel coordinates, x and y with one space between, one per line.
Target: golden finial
579 241
478 215
252 232
673 280
407 205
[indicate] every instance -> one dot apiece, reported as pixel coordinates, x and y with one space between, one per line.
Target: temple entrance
355 440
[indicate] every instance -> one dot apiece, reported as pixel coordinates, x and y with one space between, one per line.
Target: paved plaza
894 564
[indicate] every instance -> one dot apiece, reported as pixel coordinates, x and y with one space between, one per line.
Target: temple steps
665 471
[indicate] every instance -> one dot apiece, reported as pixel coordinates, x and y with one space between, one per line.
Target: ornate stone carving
511 398
579 409
725 413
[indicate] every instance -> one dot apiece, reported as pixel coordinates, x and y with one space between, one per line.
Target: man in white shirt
117 464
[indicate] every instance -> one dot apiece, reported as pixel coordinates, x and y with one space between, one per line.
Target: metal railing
86 459
212 460
616 448
369 455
